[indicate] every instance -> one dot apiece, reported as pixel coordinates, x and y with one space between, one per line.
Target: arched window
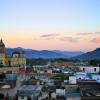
83 69
95 69
29 98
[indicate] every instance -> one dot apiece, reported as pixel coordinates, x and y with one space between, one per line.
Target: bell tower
2 47
2 54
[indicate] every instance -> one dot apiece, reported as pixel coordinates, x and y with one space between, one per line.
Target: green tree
1 65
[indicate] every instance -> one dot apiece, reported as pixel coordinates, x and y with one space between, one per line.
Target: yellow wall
14 61
2 58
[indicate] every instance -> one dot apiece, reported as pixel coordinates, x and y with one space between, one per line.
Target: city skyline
71 25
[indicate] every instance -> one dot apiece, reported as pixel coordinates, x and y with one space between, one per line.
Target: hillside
90 55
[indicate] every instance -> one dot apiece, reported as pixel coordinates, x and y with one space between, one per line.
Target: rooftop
8 68
30 88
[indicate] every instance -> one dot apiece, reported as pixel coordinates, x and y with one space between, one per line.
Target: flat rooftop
30 88
90 90
9 68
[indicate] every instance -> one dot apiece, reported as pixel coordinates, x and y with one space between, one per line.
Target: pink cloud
69 39
96 40
97 32
49 35
85 33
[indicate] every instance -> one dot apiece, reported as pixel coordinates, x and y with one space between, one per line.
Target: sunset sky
69 25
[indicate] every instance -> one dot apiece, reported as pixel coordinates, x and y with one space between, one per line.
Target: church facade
17 59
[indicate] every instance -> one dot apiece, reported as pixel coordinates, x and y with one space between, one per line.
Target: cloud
96 40
85 33
97 32
69 39
49 35
90 33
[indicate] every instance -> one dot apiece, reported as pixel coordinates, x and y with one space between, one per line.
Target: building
72 80
8 75
96 77
80 75
89 89
29 92
17 59
90 69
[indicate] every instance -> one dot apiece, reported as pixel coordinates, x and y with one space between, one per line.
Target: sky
71 25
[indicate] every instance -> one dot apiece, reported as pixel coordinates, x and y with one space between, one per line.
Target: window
1 62
95 69
22 97
29 98
83 69
97 78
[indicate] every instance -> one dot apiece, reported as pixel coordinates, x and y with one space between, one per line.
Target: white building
96 77
38 67
49 71
60 92
72 80
81 75
90 69
53 95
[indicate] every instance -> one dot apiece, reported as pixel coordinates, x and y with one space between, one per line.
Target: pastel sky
51 24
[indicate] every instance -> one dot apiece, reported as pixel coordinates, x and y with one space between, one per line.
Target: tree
94 62
1 65
61 76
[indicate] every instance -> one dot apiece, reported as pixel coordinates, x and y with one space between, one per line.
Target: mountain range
46 54
30 53
95 54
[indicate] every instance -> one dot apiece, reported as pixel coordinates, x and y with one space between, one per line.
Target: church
16 59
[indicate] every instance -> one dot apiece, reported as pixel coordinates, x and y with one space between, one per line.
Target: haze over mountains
30 53
45 53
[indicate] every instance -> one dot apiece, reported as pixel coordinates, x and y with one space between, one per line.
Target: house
72 80
60 92
28 92
80 75
90 69
96 77
9 75
89 89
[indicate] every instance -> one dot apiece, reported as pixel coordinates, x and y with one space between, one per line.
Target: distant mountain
44 53
70 53
90 55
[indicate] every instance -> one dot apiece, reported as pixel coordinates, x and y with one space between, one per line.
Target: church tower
2 47
2 53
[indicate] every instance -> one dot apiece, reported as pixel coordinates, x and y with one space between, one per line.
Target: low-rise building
89 89
80 75
60 92
72 80
28 92
10 75
96 77
90 69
